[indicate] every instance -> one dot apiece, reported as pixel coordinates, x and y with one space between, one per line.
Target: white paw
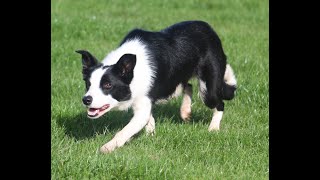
150 130
215 123
108 147
151 126
214 126
185 112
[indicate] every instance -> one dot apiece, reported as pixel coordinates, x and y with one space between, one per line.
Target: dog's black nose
87 100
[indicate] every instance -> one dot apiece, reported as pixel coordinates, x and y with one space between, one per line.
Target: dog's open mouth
94 112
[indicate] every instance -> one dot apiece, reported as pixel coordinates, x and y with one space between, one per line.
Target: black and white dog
149 67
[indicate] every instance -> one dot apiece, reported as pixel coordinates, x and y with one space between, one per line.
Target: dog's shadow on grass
81 127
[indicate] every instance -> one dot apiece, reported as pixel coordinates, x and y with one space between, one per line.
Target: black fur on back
181 51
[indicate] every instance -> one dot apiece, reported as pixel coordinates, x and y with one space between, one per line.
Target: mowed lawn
240 150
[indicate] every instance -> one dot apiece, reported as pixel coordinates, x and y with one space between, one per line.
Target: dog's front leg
142 112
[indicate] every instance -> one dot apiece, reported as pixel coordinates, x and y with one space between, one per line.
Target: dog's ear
88 60
126 64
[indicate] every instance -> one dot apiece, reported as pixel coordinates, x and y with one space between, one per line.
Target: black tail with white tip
229 84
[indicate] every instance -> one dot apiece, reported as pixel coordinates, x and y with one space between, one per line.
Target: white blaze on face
139 86
101 103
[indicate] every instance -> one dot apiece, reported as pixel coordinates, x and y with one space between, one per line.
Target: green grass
179 150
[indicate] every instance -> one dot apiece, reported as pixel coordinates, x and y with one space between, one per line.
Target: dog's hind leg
185 109
214 103
217 105
150 127
210 86
217 116
229 84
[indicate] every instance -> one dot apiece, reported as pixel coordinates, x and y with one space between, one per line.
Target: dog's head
106 86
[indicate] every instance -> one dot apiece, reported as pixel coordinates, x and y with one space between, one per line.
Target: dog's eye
107 85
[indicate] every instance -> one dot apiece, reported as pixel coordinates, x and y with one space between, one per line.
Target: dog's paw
215 122
185 113
150 130
108 148
215 126
150 127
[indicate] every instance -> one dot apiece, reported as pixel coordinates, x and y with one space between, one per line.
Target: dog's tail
229 84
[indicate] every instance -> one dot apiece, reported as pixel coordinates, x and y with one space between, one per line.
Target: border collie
149 67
